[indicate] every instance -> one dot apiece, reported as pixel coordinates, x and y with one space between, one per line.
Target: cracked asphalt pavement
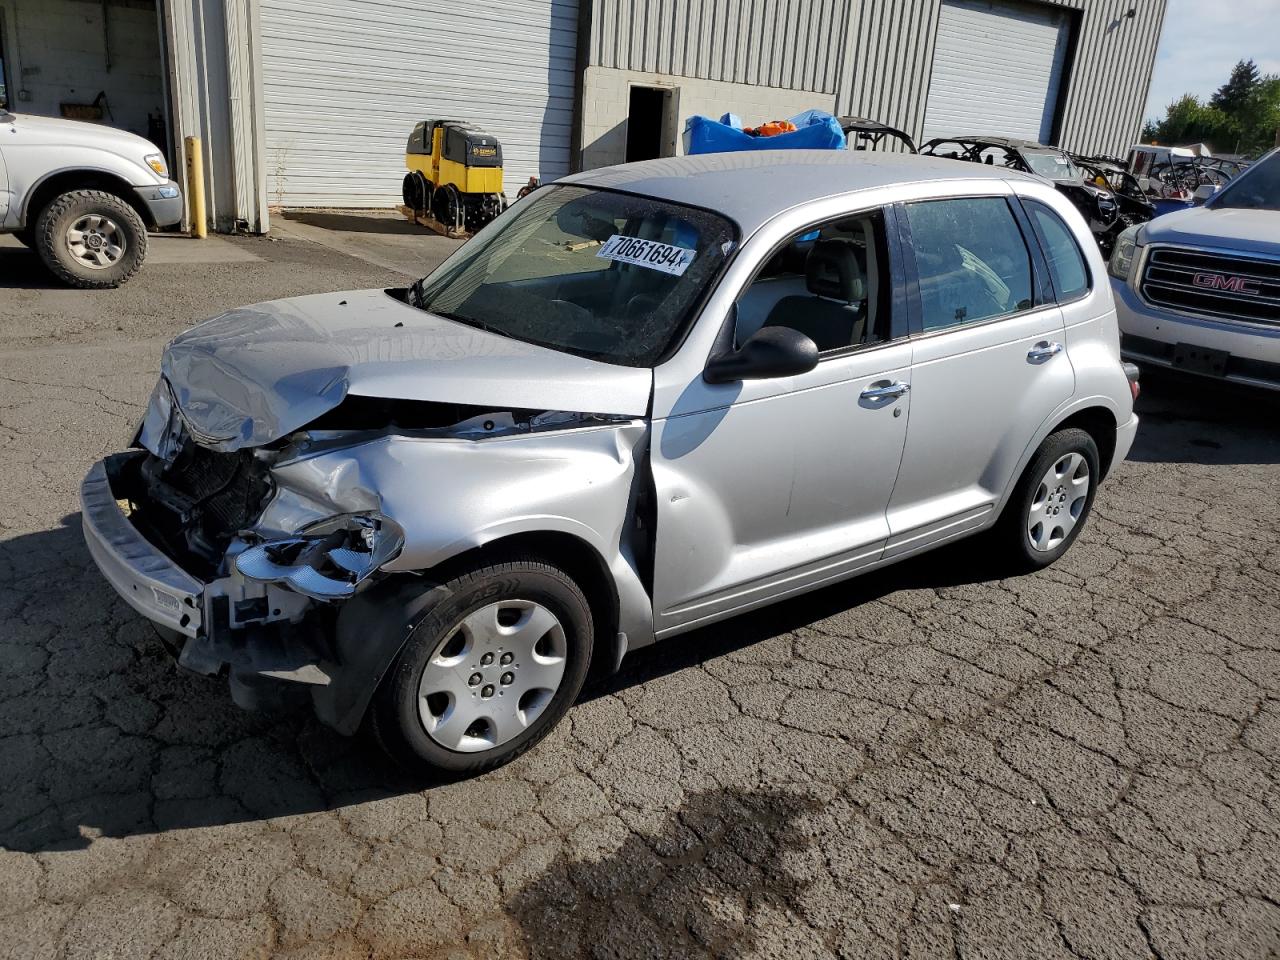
924 762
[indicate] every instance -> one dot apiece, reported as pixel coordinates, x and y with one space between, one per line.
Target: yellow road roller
455 174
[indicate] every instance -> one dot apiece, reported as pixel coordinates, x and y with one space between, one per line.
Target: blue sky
1203 39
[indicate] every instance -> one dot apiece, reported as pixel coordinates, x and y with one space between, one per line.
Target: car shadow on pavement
22 269
102 735
949 566
704 885
354 222
1189 419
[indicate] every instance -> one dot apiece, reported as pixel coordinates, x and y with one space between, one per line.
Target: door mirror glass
770 352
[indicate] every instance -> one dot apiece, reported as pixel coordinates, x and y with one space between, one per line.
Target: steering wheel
641 304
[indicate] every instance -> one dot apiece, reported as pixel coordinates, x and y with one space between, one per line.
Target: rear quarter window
1067 265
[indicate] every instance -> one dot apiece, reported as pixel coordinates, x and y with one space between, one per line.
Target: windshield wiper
458 318
415 293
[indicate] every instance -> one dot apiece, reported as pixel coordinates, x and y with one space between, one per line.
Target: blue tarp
815 130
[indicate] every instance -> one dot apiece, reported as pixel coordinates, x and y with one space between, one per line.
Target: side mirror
769 352
1205 191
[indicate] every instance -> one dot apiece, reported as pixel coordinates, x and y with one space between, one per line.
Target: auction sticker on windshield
647 253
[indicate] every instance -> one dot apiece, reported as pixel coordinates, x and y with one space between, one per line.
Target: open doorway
4 87
649 123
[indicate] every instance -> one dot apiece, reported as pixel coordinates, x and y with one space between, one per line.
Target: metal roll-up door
997 70
344 81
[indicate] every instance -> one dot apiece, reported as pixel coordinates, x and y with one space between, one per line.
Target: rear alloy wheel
494 661
91 239
1052 501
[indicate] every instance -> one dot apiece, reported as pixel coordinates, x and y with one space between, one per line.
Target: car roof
751 187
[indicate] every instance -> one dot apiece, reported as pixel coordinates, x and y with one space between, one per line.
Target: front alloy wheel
91 239
495 657
493 677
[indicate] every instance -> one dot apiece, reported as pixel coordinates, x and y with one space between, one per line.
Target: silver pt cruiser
644 399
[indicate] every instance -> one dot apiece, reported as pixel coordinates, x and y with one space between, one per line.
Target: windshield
604 275
1258 188
1052 165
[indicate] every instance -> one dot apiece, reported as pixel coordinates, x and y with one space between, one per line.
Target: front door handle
885 390
1044 350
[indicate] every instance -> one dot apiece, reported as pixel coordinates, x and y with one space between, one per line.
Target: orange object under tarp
774 127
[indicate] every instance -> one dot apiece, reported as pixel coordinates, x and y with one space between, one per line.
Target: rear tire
91 239
1051 503
492 664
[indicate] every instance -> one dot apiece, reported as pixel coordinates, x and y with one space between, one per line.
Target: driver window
972 261
829 283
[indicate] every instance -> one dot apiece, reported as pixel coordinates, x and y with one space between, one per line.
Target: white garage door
344 81
997 70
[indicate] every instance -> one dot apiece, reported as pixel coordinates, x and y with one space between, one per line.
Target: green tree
1241 117
1235 94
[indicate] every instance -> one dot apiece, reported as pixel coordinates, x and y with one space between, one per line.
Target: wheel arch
371 628
82 178
1101 424
572 554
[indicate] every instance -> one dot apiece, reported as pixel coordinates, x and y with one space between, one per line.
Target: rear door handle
1044 350
885 390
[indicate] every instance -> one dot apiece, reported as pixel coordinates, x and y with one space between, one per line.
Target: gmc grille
1224 285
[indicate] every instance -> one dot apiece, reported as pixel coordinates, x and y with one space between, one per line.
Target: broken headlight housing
327 560
1126 248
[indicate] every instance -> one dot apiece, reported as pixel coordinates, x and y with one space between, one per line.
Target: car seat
834 314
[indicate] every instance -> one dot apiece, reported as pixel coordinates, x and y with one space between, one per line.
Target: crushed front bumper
149 581
254 656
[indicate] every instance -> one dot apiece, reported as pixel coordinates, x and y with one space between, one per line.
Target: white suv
643 399
83 195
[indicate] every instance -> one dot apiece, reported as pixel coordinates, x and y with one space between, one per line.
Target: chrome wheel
1059 502
96 241
492 676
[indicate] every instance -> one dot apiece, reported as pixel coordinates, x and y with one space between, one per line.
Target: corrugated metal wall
344 81
876 56
793 44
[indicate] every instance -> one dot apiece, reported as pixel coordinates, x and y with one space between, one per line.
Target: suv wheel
1052 501
91 239
490 666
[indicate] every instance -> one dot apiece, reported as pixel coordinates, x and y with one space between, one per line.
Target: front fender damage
450 496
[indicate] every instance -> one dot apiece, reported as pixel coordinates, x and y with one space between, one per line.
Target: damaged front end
246 556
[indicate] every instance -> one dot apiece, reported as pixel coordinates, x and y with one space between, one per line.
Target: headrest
832 270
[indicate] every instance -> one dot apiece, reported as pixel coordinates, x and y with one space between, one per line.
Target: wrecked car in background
1107 214
866 134
642 400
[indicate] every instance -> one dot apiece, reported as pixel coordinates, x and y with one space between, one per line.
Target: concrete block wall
606 101
58 53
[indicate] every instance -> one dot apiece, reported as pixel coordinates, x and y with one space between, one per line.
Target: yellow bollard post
195 188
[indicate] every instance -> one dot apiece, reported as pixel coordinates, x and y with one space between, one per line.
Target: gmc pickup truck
83 195
1199 290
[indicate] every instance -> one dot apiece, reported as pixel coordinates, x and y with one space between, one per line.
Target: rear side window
971 258
1066 262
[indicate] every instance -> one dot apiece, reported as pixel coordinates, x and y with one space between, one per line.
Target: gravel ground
924 762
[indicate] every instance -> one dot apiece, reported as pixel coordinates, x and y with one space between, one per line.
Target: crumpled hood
1246 231
258 373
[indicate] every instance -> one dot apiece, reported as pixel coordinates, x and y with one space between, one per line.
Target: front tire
491 665
91 239
1052 501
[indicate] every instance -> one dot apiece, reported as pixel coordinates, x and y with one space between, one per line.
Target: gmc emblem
1216 281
